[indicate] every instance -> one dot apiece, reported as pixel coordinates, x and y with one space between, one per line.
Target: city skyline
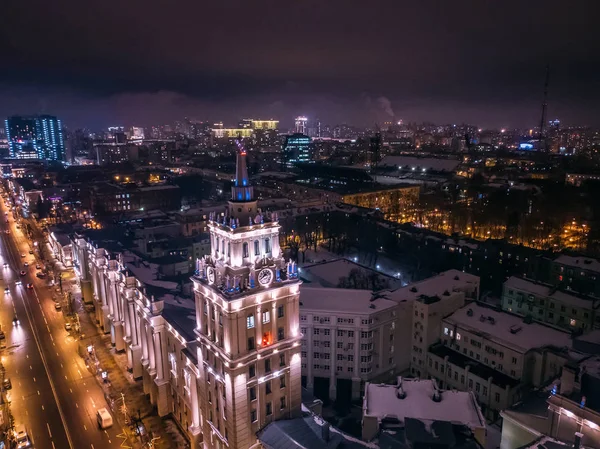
467 63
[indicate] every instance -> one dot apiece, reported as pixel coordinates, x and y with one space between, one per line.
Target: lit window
266 317
457 336
250 321
445 331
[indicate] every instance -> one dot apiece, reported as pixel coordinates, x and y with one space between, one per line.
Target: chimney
325 432
577 443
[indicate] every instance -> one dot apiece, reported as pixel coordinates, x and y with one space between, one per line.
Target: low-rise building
570 406
351 336
391 407
497 355
548 304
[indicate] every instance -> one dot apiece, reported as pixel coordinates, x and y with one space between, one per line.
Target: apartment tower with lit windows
247 323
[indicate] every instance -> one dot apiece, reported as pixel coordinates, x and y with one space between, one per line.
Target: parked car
68 327
30 251
23 255
23 273
57 306
7 384
6 291
40 275
30 286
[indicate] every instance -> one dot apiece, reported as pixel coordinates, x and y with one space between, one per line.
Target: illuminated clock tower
247 323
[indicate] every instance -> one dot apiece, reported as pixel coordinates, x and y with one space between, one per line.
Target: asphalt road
53 394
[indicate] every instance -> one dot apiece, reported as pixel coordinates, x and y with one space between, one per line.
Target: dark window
281 359
268 387
251 371
282 380
253 416
267 245
251 345
245 250
280 312
252 393
267 365
269 409
280 334
282 402
256 248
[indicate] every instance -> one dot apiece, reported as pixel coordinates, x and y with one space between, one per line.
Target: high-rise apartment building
36 137
296 149
247 312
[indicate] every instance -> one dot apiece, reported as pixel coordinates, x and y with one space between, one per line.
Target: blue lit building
36 137
296 149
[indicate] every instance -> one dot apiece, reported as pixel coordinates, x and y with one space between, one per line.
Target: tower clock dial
265 276
210 274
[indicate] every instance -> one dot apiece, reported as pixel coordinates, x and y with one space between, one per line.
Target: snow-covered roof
441 165
382 400
328 274
548 291
579 262
436 286
145 272
507 329
342 300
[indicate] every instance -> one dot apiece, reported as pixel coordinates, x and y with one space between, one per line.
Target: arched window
256 248
245 250
267 245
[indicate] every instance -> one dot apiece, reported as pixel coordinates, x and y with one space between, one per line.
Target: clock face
265 276
210 274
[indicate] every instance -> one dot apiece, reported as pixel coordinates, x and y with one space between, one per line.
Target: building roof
306 433
433 289
579 262
382 401
433 164
343 300
549 291
508 329
329 273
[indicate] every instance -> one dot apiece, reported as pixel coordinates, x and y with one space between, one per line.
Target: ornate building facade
226 363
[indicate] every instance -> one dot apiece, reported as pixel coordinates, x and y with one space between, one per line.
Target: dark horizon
109 63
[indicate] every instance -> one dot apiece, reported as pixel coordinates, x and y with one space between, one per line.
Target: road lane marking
34 379
71 390
85 427
43 407
76 405
49 433
39 394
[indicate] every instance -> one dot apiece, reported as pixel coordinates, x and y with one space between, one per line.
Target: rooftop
382 401
580 262
329 274
508 329
433 164
343 300
548 291
432 289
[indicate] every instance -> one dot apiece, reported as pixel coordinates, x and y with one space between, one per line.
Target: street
53 394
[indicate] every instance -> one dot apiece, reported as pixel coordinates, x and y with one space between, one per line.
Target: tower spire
241 190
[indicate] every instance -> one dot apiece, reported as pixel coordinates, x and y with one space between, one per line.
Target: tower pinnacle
241 190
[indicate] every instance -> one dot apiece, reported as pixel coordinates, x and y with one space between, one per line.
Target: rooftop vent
456 278
446 293
470 312
528 319
482 318
414 289
492 320
587 261
371 306
515 329
400 393
437 396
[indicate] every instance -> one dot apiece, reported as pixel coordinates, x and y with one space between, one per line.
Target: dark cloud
138 61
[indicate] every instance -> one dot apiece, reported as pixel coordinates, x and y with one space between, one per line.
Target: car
18 227
5 265
38 267
18 283
2 336
30 251
26 264
21 437
16 321
7 384
57 306
30 286
40 275
68 327
23 255
23 273
6 291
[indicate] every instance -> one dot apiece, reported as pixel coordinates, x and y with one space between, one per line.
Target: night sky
98 63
